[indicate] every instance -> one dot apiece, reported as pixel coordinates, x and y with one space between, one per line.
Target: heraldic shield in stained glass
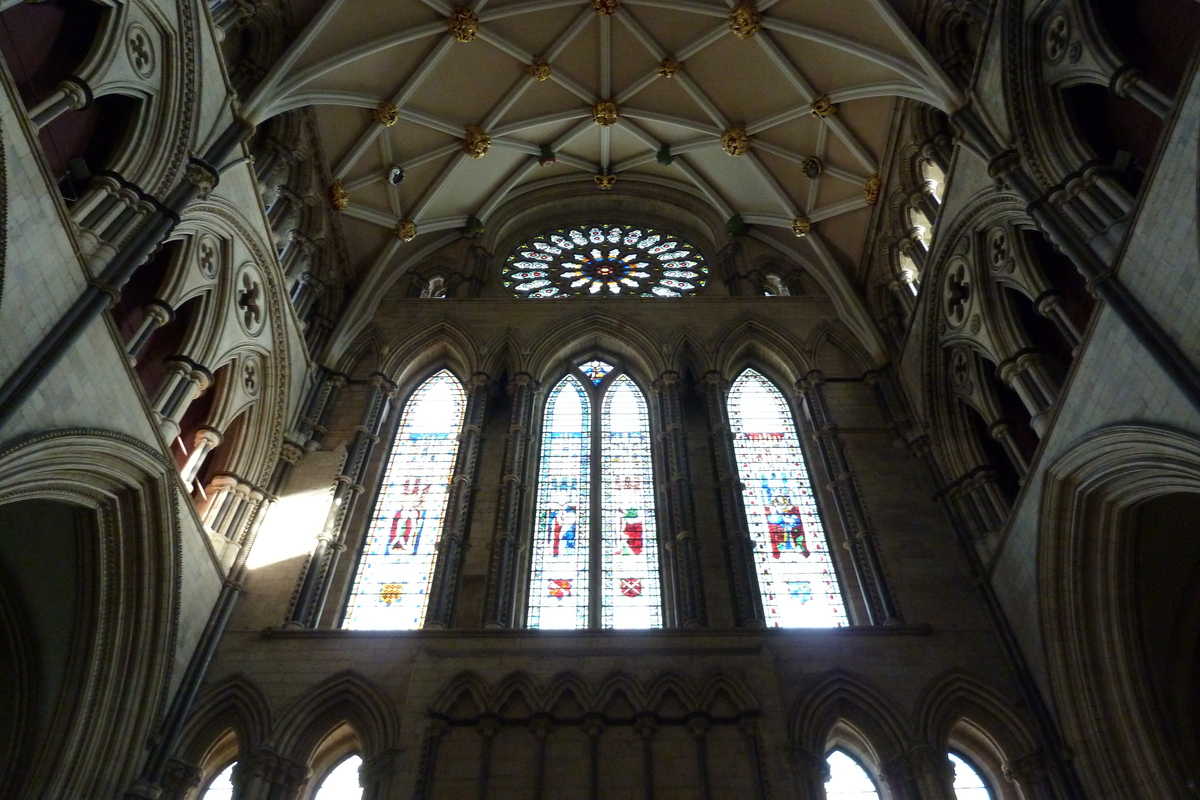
605 260
615 419
391 589
795 572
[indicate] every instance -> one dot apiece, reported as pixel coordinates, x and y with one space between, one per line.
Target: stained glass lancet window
603 260
342 782
595 474
558 587
221 787
968 785
847 779
391 589
791 555
630 557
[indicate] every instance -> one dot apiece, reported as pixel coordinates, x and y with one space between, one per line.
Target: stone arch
126 496
835 351
601 333
756 341
234 703
843 698
1088 620
346 698
418 351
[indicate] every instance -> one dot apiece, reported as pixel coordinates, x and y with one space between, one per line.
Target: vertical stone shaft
748 610
880 604
502 575
314 589
680 511
447 572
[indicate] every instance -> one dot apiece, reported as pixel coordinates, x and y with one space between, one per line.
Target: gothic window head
341 782
595 542
435 289
605 260
968 783
795 570
773 286
395 570
221 786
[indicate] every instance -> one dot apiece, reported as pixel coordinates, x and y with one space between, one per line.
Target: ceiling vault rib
526 8
705 188
704 41
399 98
606 64
789 207
325 66
806 91
510 183
948 94
548 119
670 119
659 52
393 192
848 45
833 172
434 188
502 44
370 215
704 9
814 187
533 150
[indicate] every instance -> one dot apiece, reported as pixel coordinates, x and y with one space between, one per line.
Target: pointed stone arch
835 351
346 698
599 331
418 351
234 703
756 341
842 697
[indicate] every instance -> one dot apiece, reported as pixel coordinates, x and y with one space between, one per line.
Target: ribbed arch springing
791 553
391 589
595 473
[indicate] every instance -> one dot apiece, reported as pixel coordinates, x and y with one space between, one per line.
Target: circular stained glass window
605 260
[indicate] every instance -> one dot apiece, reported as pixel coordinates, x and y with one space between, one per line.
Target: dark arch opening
994 454
1156 36
1166 550
1122 133
43 43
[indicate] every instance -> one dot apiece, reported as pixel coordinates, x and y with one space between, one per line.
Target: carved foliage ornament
406 231
812 168
250 301
339 198
998 253
140 49
387 114
821 107
956 294
744 19
669 67
206 255
476 142
605 180
735 140
463 24
538 69
604 113
801 226
606 7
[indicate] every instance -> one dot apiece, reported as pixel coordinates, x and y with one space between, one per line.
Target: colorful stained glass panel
391 589
791 554
603 260
558 586
595 370
629 563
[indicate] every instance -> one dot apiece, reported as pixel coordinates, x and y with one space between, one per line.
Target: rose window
605 260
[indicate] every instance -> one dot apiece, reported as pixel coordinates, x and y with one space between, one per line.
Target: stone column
266 775
155 314
645 726
881 607
179 779
487 727
748 726
680 513
72 94
540 726
314 588
748 610
435 729
297 254
1034 773
811 771
232 504
319 405
1129 82
698 726
503 571
923 773
443 589
186 380
1027 375
1049 305
380 776
207 439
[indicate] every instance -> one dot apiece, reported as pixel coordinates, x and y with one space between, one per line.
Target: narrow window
595 473
342 782
968 783
795 572
847 779
220 787
391 589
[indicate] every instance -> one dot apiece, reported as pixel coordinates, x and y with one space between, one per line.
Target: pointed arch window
391 589
595 474
342 782
221 786
968 783
791 553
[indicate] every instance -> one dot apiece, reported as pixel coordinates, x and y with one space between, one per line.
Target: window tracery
791 553
595 473
603 260
391 589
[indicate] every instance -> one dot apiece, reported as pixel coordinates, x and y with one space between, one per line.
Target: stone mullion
811 772
680 510
434 733
488 727
380 776
266 775
314 589
155 314
748 610
748 726
923 773
502 574
645 725
593 726
452 544
699 727
880 605
540 726
1026 375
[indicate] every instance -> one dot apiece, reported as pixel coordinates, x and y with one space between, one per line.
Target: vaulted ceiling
415 83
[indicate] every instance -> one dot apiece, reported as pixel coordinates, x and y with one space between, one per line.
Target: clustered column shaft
680 512
748 610
881 608
310 600
502 593
458 509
